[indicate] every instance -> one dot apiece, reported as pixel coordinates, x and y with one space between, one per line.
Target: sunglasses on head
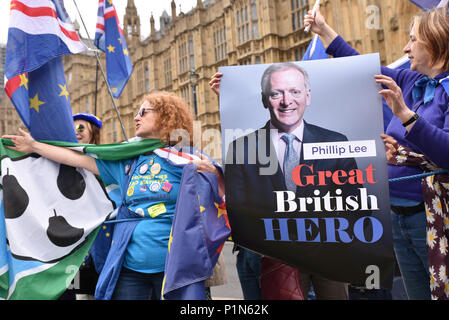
142 111
80 128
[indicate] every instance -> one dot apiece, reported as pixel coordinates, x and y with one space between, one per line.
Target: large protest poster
335 220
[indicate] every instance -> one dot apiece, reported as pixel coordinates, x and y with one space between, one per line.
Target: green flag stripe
49 284
116 151
4 284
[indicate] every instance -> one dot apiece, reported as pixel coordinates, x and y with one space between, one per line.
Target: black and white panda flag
49 216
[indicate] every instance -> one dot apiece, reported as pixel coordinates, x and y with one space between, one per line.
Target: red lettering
340 177
356 177
296 175
322 175
370 174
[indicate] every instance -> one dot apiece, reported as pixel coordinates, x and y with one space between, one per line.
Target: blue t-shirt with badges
151 193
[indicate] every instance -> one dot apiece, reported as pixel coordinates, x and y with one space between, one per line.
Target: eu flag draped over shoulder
110 39
199 230
40 32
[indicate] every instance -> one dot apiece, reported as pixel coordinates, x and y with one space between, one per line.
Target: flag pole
103 73
314 9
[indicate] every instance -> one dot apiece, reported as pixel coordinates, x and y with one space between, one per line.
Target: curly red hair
173 113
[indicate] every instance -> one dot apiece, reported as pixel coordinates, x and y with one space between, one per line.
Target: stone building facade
219 33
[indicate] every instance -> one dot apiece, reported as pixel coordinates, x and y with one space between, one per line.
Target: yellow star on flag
111 48
125 51
119 40
24 80
201 207
35 103
64 91
220 211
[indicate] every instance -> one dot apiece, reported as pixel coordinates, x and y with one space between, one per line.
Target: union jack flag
109 38
40 32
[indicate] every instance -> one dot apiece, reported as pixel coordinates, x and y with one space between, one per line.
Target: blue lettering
376 226
331 230
269 229
303 232
335 230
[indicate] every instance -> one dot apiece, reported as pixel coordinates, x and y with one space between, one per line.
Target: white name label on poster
338 150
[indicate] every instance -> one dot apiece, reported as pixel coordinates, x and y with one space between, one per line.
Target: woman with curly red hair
149 185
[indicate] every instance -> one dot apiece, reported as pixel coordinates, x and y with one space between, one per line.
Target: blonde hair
172 113
432 29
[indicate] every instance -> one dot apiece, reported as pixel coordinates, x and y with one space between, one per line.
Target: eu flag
200 228
316 50
40 32
429 4
110 39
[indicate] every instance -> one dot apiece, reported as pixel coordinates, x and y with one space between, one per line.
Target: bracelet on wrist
411 120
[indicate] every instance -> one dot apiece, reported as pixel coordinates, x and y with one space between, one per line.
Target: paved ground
232 290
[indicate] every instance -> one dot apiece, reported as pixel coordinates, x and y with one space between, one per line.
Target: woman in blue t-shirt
149 185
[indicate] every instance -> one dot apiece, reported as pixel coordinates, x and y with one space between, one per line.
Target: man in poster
326 196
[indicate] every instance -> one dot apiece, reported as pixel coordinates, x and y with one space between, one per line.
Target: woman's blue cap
90 118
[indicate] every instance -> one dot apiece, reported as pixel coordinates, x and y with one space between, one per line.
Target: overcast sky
88 10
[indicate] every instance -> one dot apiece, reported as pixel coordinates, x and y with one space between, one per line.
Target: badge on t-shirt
130 191
155 168
140 212
155 186
167 186
143 169
156 210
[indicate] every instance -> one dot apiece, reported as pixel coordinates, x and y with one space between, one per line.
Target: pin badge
140 212
143 169
167 186
155 186
155 168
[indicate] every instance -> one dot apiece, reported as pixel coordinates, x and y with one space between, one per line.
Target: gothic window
299 53
247 22
130 29
182 54
220 44
191 54
167 72
243 24
299 10
147 78
185 93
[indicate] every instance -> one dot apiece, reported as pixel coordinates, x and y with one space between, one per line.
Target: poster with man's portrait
305 166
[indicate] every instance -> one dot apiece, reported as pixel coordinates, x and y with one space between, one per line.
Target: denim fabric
248 269
409 235
133 285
